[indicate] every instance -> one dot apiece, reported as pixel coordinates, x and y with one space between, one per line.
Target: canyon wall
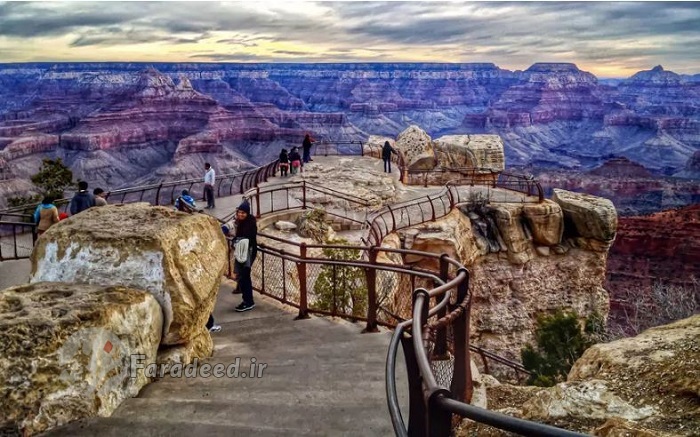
118 123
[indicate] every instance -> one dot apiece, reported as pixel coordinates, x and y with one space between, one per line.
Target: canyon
117 124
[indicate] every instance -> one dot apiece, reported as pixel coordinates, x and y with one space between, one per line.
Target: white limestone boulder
593 217
484 152
417 148
66 352
177 257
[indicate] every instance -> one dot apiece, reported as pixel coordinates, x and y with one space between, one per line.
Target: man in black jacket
246 229
82 199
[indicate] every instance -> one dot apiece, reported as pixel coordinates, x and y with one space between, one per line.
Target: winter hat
245 206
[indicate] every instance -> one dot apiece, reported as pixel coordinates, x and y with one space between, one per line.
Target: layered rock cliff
552 115
525 261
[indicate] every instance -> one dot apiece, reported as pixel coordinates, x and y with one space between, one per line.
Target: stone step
339 418
144 427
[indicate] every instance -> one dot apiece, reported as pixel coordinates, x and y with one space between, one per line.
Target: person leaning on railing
82 199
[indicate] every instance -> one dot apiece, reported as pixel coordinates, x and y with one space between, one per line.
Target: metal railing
17 224
433 329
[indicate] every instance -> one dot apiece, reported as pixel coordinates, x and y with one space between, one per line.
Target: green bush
53 178
560 342
343 286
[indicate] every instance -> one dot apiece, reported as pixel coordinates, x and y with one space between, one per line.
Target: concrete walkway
323 378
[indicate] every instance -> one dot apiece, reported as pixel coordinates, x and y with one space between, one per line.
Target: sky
609 39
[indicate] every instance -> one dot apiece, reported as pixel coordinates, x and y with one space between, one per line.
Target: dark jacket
284 158
248 228
294 156
387 150
81 201
306 144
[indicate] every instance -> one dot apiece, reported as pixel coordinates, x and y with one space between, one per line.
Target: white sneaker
215 328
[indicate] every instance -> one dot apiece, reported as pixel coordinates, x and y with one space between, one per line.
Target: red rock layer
662 247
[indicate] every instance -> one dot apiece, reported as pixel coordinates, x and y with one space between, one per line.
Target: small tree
53 178
339 286
560 342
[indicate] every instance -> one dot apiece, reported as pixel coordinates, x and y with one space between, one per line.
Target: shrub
341 287
560 342
53 178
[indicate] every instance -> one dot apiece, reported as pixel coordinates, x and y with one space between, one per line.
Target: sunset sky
608 39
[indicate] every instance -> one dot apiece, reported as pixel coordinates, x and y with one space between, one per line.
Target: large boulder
417 148
592 217
484 152
653 379
66 351
662 360
546 221
177 257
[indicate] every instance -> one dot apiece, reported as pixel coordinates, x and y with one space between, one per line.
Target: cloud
511 34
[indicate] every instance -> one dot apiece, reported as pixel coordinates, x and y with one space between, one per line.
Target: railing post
417 413
441 334
303 297
461 387
362 149
303 198
371 276
157 194
257 201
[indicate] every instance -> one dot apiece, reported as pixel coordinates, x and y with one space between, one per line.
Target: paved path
323 378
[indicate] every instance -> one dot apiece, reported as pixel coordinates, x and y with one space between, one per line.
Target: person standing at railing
45 215
245 251
284 162
99 194
82 199
306 147
387 150
295 160
209 180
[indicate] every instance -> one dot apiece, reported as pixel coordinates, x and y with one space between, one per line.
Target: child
284 162
295 160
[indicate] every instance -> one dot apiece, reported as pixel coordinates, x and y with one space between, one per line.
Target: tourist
295 160
245 250
209 180
82 199
306 147
45 215
185 202
284 162
387 150
100 197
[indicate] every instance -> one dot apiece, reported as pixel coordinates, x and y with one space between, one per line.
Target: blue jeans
307 155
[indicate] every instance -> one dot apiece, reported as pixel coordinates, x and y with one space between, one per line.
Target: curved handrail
259 173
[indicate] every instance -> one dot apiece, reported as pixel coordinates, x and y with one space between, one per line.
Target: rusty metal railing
433 329
18 221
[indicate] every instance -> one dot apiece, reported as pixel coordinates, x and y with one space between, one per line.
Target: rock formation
67 352
177 257
417 148
644 386
592 217
525 260
549 116
483 152
659 250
